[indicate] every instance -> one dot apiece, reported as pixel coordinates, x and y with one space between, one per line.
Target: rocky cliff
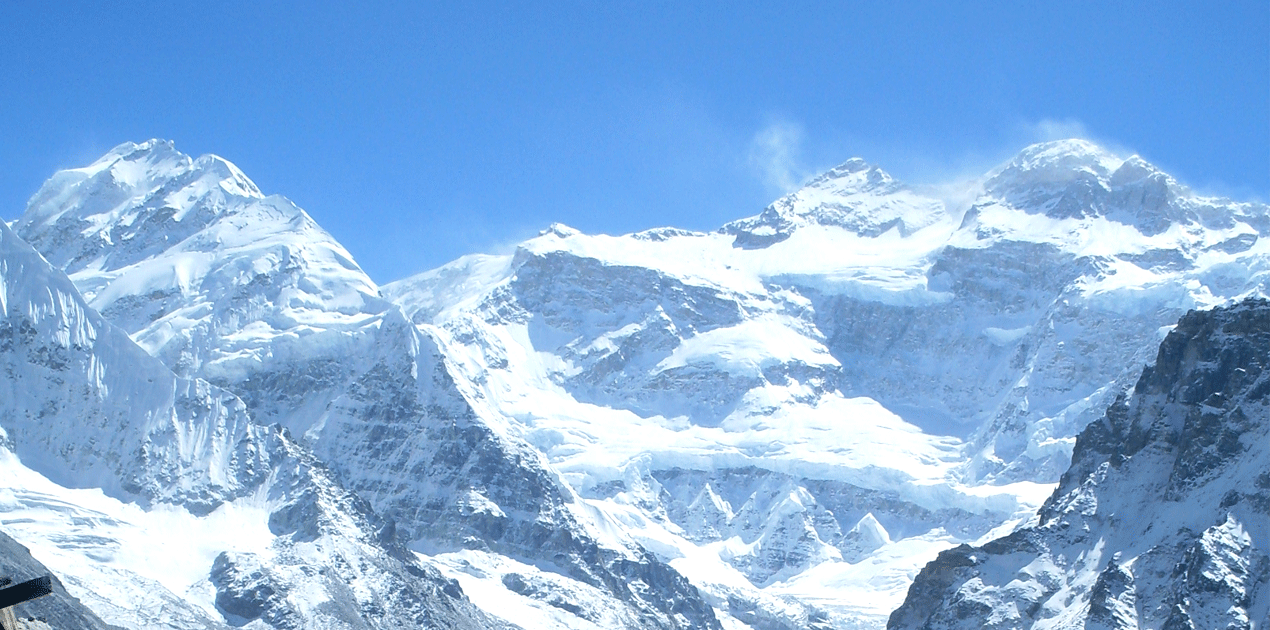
1162 520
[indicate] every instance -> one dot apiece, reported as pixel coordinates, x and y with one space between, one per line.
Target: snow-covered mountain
782 404
159 502
1163 519
246 291
774 425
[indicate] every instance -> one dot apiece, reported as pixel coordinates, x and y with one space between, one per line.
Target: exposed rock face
365 577
1163 519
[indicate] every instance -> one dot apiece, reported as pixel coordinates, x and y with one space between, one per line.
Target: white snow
105 549
747 348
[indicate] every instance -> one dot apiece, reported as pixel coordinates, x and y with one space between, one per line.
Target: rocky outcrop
1161 521
365 576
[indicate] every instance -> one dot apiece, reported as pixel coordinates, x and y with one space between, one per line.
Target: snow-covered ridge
1101 257
188 256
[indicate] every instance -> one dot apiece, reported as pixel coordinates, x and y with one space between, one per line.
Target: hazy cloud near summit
775 153
784 156
1048 129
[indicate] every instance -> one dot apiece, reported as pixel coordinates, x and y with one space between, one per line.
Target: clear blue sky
419 131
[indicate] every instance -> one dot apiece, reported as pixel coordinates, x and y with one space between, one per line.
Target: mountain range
212 417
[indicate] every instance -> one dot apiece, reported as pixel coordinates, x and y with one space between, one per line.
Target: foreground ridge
1163 519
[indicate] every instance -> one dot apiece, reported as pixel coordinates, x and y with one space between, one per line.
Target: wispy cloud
1048 129
951 167
775 153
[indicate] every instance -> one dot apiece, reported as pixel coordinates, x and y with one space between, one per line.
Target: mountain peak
1059 160
187 232
560 230
150 174
135 151
155 160
1079 179
855 195
127 165
855 176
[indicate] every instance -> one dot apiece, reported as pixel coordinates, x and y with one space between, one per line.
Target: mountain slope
88 408
1162 519
246 291
158 500
819 346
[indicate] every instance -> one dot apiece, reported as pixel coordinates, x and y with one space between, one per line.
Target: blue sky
417 132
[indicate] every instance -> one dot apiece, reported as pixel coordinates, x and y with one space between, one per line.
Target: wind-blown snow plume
775 154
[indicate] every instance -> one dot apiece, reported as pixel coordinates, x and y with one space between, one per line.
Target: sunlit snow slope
160 504
158 501
782 404
246 291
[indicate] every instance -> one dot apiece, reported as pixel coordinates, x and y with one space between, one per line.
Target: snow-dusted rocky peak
1075 179
129 180
252 295
1163 519
192 260
1071 179
1055 163
855 195
1092 252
